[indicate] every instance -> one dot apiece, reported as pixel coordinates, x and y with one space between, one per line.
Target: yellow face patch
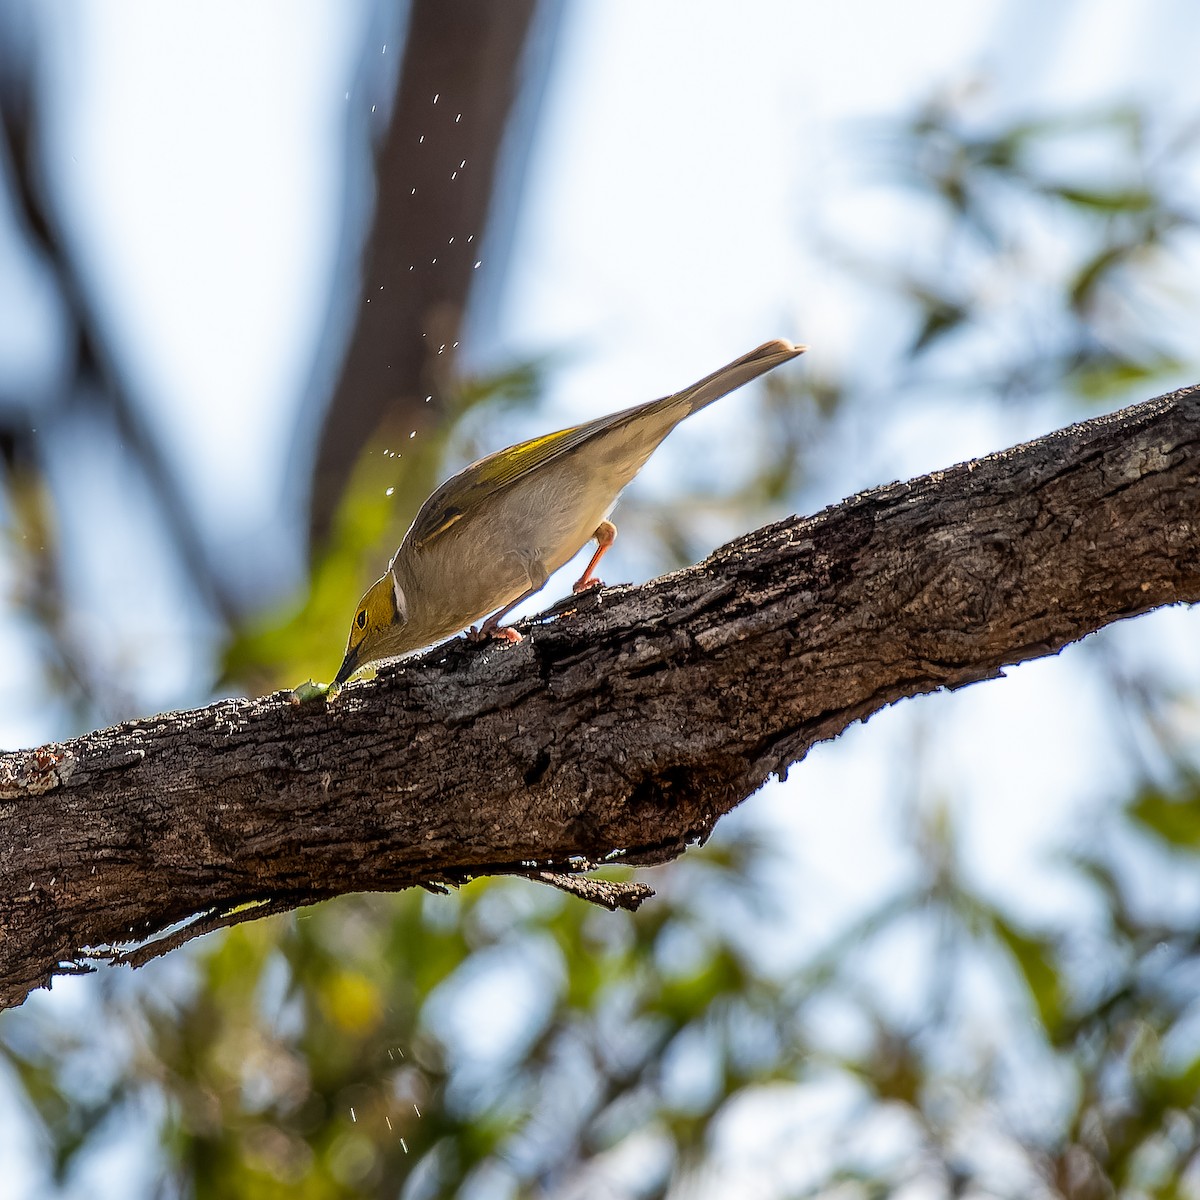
376 630
376 611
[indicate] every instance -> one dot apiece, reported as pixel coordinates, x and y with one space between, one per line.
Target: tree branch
621 732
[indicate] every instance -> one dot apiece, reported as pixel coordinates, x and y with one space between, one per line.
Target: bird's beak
348 667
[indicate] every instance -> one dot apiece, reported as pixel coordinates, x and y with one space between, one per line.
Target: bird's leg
605 535
491 628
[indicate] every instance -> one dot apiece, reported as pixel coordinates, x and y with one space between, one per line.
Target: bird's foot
499 633
586 585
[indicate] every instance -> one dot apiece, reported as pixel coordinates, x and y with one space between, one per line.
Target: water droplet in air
435 96
412 435
352 1116
389 491
478 265
458 118
420 139
404 1144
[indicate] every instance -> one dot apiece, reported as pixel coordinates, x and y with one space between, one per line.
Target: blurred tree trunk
437 171
91 381
626 731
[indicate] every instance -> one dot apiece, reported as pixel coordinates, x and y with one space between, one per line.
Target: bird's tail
731 376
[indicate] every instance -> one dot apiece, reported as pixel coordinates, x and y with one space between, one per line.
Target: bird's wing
466 490
471 486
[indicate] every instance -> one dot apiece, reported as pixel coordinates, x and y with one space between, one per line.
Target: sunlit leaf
1130 200
1035 959
1173 817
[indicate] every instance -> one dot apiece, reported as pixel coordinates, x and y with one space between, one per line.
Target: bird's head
377 630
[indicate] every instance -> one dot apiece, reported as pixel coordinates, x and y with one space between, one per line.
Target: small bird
492 535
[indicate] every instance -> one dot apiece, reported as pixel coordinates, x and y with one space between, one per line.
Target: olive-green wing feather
489 475
466 490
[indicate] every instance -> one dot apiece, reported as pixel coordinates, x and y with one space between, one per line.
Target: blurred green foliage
1052 248
509 1041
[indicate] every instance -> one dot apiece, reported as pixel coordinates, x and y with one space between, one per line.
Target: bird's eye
361 619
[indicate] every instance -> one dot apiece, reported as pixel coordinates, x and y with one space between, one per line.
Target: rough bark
622 728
